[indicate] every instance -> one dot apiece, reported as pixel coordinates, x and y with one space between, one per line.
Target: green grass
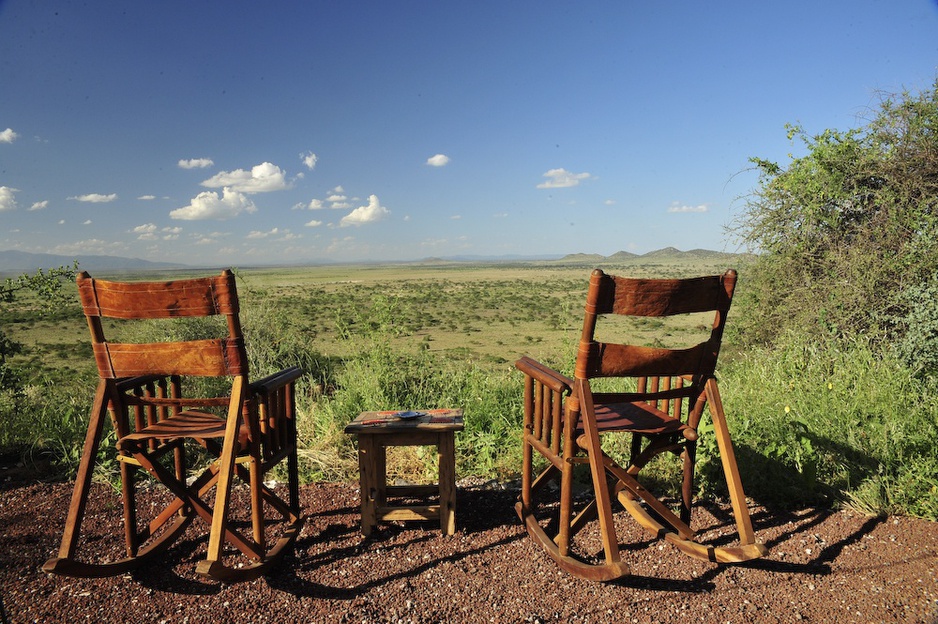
848 426
810 426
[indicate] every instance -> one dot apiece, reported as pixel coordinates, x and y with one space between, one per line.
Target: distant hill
621 255
668 253
582 257
17 262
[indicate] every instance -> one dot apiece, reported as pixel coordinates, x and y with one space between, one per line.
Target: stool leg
381 473
368 469
446 447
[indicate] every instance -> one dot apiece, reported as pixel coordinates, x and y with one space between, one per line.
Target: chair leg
257 499
598 473
730 468
281 407
559 548
527 474
564 531
76 509
128 495
689 459
293 472
562 460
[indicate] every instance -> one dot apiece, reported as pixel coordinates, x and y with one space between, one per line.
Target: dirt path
823 567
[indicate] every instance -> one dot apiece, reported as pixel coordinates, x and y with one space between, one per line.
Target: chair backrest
609 294
200 297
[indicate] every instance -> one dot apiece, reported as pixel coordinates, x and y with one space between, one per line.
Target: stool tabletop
405 420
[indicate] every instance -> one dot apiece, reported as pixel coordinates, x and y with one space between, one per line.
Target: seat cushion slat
185 424
635 417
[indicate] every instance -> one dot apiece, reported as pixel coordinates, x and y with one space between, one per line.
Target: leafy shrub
918 345
843 231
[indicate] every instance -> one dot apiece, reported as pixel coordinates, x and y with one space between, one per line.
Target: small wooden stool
378 430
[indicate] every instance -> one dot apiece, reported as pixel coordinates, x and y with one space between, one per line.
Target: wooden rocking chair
662 409
247 432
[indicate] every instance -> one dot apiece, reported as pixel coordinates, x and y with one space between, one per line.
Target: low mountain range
19 262
668 253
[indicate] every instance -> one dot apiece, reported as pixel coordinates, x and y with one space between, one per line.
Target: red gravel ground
824 566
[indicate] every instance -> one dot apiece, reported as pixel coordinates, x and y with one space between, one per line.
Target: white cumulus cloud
8 136
313 223
679 207
95 198
259 234
439 160
261 178
7 200
561 178
150 232
276 234
196 163
309 159
374 211
40 205
209 205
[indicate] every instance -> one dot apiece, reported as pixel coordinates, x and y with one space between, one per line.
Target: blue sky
247 132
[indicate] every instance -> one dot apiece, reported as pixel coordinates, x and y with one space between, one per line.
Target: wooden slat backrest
209 296
610 294
204 296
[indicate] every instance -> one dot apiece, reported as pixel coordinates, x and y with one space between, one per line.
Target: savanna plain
834 449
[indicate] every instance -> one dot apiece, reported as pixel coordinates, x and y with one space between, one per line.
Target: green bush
836 379
845 231
918 342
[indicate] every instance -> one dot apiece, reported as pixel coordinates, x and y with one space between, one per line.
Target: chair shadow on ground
478 510
801 524
778 484
491 506
161 576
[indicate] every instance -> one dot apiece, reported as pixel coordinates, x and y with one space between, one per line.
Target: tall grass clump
40 412
45 418
382 377
834 424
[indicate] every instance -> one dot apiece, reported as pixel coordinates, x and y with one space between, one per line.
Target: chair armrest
544 374
274 382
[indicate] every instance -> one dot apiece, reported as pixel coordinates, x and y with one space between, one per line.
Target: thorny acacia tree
847 235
